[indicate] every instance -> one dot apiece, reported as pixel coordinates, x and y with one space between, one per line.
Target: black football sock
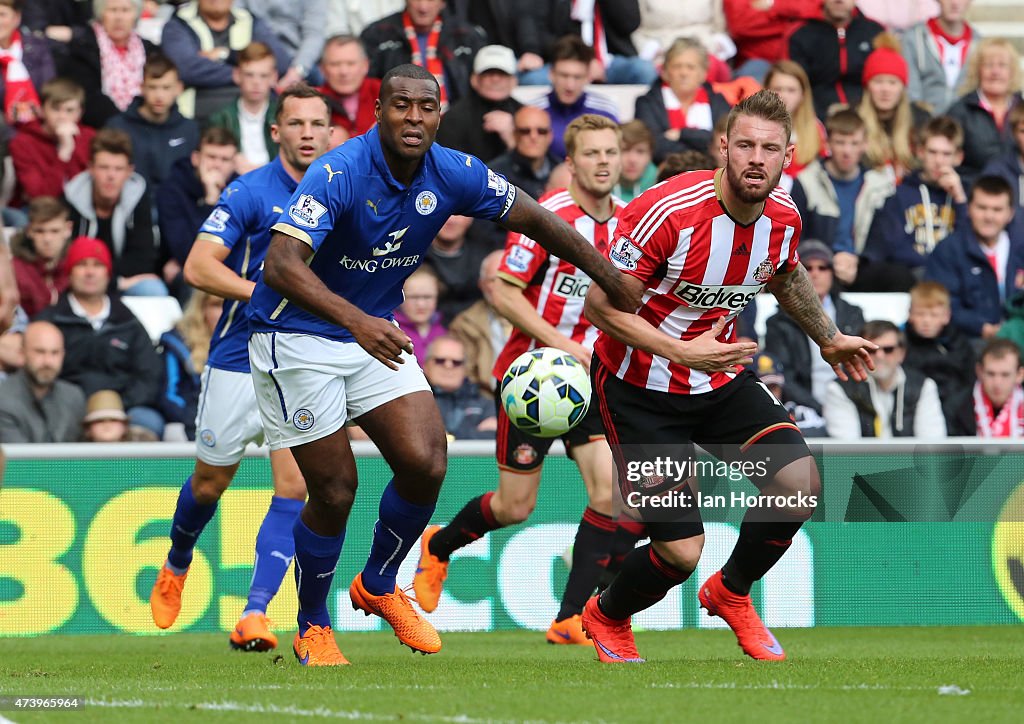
591 553
474 521
760 546
644 580
627 534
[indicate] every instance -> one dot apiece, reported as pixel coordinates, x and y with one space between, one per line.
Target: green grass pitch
873 675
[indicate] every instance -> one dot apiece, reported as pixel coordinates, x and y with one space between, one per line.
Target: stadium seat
624 96
157 314
891 306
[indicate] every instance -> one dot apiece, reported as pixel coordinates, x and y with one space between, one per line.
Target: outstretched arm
530 218
703 353
797 297
286 271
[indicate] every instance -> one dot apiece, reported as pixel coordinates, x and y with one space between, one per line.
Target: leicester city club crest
303 419
426 202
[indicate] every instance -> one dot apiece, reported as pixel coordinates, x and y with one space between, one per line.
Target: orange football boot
430 573
165 598
253 633
317 647
396 608
738 611
612 639
568 631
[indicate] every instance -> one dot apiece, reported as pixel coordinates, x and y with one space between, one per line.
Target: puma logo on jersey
373 205
393 245
331 174
711 296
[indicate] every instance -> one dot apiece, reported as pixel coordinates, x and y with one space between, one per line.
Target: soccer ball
545 392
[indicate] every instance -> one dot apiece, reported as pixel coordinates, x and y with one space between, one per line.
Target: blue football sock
190 517
316 557
399 527
275 547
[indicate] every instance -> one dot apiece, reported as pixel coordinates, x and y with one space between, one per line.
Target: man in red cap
107 348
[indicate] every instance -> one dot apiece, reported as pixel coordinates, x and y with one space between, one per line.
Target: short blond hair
681 45
588 122
929 294
254 52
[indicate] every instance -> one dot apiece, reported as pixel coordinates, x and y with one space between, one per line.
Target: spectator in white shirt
896 401
250 117
936 51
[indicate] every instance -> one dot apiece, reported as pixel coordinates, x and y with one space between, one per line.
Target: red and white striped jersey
554 287
697 265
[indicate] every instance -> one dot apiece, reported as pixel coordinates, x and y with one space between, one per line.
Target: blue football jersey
247 208
368 232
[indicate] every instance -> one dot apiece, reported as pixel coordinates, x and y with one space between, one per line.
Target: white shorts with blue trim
308 387
228 418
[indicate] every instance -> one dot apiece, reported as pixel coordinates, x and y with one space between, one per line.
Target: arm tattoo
797 297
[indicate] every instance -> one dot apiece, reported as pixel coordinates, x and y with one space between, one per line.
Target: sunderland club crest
765 270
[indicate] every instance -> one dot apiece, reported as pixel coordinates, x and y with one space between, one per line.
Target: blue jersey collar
377 154
279 170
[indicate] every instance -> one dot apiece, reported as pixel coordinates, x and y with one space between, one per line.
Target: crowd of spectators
124 121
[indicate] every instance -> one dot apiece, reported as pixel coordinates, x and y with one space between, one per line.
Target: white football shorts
228 418
308 387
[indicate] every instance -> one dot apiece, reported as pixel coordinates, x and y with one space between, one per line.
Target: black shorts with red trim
730 423
521 452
